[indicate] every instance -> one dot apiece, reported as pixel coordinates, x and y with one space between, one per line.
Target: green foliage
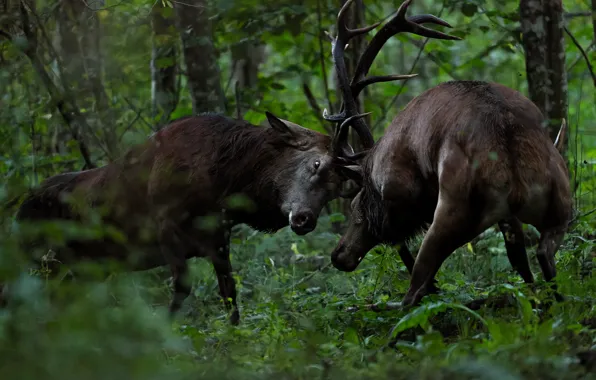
299 321
300 318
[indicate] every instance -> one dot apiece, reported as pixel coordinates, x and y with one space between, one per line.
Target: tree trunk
594 18
543 40
64 100
202 70
246 58
78 35
163 64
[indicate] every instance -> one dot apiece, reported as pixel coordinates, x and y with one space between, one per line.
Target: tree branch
433 58
322 58
583 52
237 96
315 107
572 65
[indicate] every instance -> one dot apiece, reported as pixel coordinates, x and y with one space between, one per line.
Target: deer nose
303 222
342 262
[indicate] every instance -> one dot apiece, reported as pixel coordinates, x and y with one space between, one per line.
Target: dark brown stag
462 156
157 193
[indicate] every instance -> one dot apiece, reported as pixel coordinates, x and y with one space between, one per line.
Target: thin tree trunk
556 58
202 70
246 58
534 42
543 41
79 35
65 100
163 63
594 18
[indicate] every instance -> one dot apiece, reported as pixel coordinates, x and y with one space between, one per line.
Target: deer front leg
516 249
452 227
223 270
174 251
408 260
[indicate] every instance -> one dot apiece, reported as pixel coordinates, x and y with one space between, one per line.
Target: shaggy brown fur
462 156
157 193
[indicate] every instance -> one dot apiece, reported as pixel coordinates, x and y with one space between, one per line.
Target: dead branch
580 58
583 52
238 105
434 58
322 57
315 107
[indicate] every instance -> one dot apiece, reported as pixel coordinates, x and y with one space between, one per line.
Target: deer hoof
433 288
235 317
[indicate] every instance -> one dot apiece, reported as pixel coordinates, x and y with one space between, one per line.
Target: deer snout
303 222
342 261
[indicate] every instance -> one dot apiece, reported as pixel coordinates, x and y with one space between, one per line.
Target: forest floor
303 319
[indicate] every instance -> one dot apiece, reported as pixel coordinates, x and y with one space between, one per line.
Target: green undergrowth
303 319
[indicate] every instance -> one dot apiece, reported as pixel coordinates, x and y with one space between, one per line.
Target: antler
351 89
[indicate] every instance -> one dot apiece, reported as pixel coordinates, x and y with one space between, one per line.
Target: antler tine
343 32
341 133
341 151
347 158
359 86
397 24
423 19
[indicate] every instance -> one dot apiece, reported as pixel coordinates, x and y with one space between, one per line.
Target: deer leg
408 260
225 280
453 225
406 256
174 251
516 249
550 241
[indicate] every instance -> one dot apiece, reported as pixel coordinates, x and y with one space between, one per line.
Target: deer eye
317 164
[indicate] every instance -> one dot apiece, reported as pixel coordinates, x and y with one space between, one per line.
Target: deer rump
462 156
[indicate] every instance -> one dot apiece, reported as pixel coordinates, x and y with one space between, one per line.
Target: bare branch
583 52
237 96
322 57
315 106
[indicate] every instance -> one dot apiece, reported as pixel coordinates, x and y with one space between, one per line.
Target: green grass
302 322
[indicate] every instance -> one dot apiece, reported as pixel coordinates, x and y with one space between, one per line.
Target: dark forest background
81 81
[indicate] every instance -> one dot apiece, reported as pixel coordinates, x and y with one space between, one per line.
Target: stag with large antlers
462 156
160 193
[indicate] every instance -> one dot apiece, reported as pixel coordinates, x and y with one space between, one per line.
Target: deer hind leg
513 234
223 269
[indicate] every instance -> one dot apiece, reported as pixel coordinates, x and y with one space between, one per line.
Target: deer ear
280 126
353 172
